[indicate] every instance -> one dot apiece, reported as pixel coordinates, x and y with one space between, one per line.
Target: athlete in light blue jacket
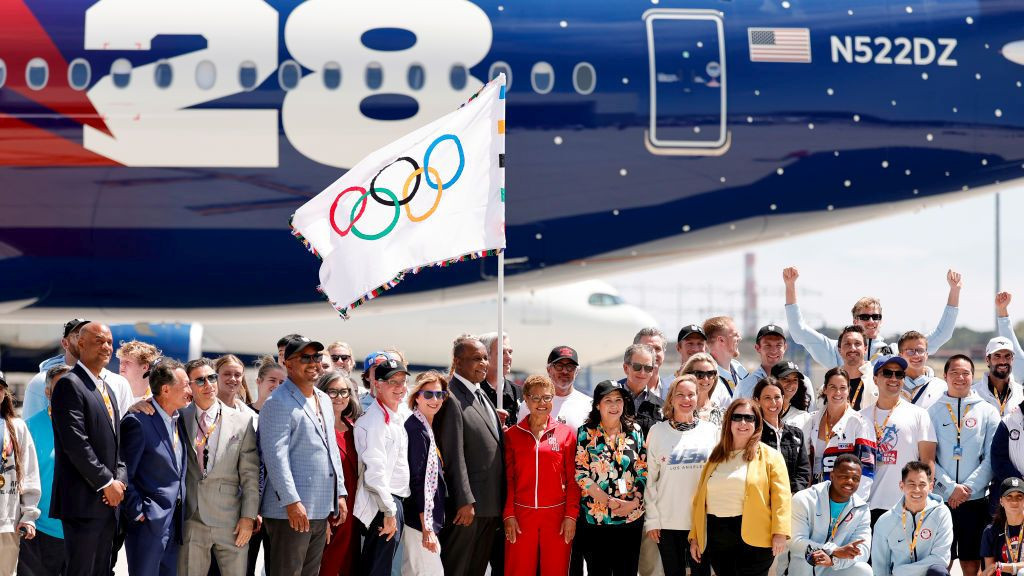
831 527
914 537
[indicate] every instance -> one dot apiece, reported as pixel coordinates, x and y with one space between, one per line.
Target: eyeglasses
636 366
340 357
310 358
866 317
893 373
204 381
394 383
915 351
336 392
702 375
545 398
749 418
432 394
564 367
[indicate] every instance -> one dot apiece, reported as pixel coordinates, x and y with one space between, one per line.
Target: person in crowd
903 433
89 475
470 439
611 470
222 452
724 347
542 500
282 343
921 388
677 449
510 395
305 487
998 387
863 390
786 438
424 508
232 388
1001 540
914 537
831 527
269 375
645 405
341 357
690 341
135 358
655 338
770 346
19 483
44 555
964 427
839 429
741 508
795 396
867 313
341 554
712 399
382 444
1004 328
571 406
153 450
366 392
1007 454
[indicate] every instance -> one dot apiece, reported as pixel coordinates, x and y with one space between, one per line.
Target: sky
901 259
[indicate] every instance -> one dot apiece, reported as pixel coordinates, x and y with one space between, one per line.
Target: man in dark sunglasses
867 313
645 407
340 356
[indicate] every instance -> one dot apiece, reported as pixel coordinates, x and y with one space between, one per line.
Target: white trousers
417 560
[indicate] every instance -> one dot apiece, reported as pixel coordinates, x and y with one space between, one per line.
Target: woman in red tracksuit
543 498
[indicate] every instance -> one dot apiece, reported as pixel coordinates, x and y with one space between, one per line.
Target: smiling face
472 362
132 369
270 381
95 346
340 395
692 344
771 402
203 381
684 401
658 343
1000 363
959 378
429 406
340 359
771 349
707 376
845 480
563 373
1013 503
869 325
304 366
178 394
915 352
916 488
392 391
852 349
890 380
229 379
790 385
742 424
837 392
611 407
637 379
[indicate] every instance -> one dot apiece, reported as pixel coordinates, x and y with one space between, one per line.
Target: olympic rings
462 160
334 207
373 183
405 192
384 232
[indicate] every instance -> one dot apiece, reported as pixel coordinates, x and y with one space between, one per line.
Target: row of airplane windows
542 75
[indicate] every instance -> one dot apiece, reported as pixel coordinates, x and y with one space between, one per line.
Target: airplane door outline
690 20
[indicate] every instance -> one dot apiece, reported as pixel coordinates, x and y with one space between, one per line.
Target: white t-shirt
571 410
897 445
675 461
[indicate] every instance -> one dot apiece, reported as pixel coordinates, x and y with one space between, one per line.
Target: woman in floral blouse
611 470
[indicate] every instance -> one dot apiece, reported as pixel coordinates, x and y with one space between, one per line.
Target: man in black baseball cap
691 340
35 391
770 345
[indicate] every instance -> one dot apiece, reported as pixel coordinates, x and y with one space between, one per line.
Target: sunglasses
893 373
310 358
335 393
702 375
750 418
564 367
340 357
545 398
204 381
637 367
433 394
866 317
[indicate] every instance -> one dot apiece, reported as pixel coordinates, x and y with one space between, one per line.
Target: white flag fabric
431 198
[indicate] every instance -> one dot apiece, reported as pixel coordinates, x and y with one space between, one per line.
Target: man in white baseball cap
997 386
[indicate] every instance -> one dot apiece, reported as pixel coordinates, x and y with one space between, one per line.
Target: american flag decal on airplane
779 44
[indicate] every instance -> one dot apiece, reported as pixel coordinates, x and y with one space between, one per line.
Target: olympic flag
431 198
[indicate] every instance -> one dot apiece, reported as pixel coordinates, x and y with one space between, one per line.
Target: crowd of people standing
882 467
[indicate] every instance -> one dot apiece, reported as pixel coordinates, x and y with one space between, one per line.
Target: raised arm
1005 328
823 349
947 323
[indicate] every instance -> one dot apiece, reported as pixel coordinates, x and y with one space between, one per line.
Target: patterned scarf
430 478
683 426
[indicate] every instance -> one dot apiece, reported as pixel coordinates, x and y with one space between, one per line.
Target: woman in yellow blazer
743 499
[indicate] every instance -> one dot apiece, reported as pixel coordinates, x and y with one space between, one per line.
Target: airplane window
206 75
374 75
3 73
121 72
542 77
332 75
416 76
289 74
247 75
458 76
163 75
602 299
79 74
37 73
499 67
584 78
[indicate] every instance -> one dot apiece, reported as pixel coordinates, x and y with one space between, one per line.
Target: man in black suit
89 476
469 437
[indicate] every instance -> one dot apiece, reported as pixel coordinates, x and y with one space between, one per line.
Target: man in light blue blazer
305 489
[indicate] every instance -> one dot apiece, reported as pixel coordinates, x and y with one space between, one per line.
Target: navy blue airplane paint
185 132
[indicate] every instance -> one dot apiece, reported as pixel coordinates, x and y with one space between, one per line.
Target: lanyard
880 429
106 398
913 541
1002 401
1010 547
205 440
956 421
729 384
835 528
6 445
856 394
920 391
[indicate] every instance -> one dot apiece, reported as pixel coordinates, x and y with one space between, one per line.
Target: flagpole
500 384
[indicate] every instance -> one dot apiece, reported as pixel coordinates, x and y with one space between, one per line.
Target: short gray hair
647 332
633 349
488 339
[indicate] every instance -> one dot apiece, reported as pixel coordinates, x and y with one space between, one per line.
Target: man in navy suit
88 479
153 450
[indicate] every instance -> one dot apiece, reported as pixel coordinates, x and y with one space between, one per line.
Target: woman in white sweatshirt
677 449
19 483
